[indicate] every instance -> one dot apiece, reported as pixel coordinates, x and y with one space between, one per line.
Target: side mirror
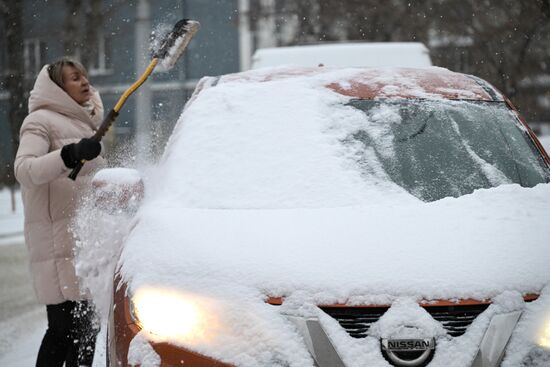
118 189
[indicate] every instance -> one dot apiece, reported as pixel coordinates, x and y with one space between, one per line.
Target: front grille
456 319
357 320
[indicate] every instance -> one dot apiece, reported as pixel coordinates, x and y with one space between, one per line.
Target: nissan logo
408 352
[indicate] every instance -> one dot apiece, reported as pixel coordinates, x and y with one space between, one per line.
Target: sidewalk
22 319
11 223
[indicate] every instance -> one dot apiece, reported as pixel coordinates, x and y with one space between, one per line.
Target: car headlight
544 336
170 314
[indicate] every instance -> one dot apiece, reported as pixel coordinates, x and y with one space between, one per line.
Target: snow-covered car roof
382 82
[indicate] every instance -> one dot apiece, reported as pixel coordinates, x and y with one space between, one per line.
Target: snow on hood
489 244
475 246
256 188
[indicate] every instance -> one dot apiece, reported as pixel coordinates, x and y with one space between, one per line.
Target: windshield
436 149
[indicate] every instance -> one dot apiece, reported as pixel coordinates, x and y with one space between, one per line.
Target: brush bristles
180 38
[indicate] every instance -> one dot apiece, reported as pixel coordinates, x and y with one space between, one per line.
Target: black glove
86 149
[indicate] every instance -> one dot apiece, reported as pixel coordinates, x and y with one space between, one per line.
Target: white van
360 54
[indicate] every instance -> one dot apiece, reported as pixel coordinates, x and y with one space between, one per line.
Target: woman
64 111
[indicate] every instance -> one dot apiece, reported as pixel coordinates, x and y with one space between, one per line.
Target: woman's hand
85 149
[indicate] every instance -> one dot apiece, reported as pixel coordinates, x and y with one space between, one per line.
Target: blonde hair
55 70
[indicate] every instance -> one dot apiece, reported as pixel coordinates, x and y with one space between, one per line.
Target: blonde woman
64 111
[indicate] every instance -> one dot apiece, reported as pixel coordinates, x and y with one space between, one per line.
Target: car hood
475 246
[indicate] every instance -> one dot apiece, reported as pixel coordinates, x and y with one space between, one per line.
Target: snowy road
22 320
16 294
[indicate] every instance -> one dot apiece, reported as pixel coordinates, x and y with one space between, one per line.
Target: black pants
70 336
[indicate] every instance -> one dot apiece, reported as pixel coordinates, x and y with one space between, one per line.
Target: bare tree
369 20
507 38
503 41
93 25
72 34
373 20
83 28
11 11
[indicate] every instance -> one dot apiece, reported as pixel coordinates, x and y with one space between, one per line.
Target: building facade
120 51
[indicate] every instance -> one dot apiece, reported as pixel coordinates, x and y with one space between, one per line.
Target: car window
441 148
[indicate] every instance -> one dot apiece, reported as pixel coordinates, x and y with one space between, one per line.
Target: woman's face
76 84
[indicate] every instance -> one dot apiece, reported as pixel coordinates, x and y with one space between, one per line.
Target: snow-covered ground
22 320
11 222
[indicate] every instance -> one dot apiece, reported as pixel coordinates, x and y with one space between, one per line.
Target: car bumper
123 329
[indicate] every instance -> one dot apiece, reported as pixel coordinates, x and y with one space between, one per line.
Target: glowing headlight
544 336
170 314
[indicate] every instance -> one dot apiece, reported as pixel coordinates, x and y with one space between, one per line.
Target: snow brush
171 47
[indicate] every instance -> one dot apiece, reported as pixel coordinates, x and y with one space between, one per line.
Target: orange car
339 217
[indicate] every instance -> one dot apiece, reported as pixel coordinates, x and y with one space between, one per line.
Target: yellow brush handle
110 118
136 84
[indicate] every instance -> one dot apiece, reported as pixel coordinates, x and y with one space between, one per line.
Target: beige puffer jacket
49 196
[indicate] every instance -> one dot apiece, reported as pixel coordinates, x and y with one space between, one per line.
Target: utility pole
144 95
245 35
